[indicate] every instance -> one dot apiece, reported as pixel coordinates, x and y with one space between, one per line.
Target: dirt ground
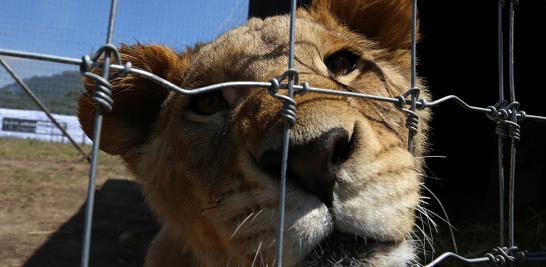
43 188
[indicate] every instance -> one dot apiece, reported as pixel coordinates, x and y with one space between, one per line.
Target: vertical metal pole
414 95
512 178
286 140
500 138
96 141
500 50
511 52
413 43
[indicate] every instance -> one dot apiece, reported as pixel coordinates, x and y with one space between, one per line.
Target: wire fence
505 113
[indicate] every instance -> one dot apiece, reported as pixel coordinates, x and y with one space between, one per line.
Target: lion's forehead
258 50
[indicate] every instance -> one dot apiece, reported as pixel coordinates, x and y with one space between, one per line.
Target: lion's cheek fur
179 200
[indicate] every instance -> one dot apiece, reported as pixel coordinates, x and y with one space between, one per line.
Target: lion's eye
207 104
341 63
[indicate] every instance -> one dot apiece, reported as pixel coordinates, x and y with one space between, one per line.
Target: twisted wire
498 116
506 122
500 256
514 130
289 110
103 95
412 118
420 103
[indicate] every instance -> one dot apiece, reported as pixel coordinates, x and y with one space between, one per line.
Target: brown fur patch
138 100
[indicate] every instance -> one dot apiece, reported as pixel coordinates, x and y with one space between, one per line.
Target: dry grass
42 185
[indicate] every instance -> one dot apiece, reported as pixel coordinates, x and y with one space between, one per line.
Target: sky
72 28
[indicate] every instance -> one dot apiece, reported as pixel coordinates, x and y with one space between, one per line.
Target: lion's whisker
432 177
415 241
431 157
255 216
241 224
430 229
426 237
431 224
439 217
257 253
424 243
450 226
425 211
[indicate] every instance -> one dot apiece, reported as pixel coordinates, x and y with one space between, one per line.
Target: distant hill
58 92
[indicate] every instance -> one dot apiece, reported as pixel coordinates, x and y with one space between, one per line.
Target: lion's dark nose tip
312 165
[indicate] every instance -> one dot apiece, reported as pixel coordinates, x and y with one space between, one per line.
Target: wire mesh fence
505 113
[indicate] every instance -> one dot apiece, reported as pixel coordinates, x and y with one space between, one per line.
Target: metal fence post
286 136
96 142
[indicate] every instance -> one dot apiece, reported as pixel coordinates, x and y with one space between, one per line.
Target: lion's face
210 164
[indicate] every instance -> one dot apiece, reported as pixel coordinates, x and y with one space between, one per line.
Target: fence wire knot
506 115
103 94
288 111
412 119
500 256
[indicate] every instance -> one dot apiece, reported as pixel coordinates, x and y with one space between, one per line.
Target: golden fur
200 173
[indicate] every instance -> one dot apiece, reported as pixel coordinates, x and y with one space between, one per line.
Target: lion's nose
312 165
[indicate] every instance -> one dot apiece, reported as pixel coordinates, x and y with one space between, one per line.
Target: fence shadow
123 226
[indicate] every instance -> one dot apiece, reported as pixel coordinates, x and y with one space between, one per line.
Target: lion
209 165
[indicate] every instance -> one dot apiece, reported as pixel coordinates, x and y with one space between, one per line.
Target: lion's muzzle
311 165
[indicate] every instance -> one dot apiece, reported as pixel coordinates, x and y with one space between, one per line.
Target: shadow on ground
123 226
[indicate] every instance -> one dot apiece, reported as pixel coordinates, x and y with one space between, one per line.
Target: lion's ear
388 22
137 101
